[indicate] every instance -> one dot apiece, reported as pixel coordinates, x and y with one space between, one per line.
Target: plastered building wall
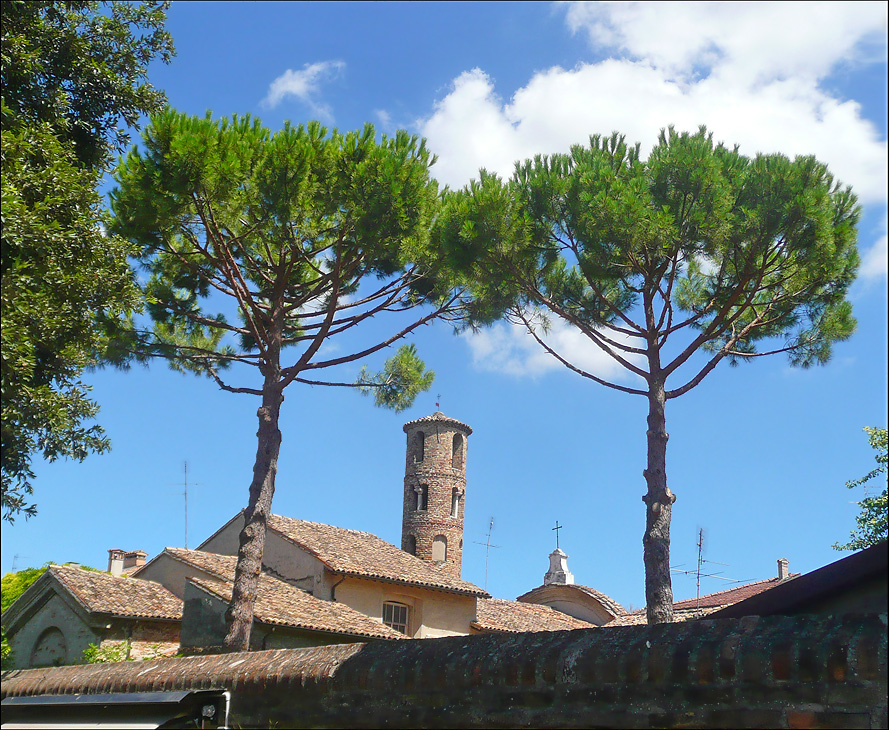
282 556
171 574
432 613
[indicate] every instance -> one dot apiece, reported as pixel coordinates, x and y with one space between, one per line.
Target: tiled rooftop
361 554
495 614
692 608
731 595
438 417
285 605
608 603
103 593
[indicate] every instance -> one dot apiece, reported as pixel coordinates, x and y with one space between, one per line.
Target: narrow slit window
422 497
455 502
396 616
410 545
457 452
420 446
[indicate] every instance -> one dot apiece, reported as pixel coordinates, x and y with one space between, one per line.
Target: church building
321 584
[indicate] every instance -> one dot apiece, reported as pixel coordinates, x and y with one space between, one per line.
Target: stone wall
802 671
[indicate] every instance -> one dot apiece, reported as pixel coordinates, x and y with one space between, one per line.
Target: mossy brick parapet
726 673
435 491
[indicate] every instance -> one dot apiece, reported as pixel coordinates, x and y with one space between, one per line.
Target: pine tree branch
571 366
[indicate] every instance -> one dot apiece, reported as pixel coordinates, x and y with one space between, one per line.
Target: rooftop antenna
697 572
185 485
557 528
15 559
488 547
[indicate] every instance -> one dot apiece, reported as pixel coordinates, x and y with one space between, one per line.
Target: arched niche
439 548
51 649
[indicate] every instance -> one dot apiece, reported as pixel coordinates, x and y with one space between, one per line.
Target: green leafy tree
305 237
669 265
872 521
12 585
71 73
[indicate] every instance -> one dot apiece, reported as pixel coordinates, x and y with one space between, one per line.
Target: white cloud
760 95
875 261
305 86
752 72
384 119
743 42
510 349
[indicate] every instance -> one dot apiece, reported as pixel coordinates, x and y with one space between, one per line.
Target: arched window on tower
439 548
457 452
455 502
422 497
419 446
410 544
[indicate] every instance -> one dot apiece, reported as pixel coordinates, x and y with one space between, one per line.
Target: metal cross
557 528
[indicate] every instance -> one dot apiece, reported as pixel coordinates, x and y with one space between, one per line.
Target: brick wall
434 465
802 671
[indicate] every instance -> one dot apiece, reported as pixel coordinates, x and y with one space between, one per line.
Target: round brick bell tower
435 491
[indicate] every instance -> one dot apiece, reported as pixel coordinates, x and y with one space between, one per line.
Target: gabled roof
693 608
281 604
840 580
363 555
497 615
731 595
608 603
126 597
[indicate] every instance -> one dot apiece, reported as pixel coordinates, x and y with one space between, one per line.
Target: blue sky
758 454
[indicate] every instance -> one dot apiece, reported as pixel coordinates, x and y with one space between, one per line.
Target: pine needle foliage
260 247
669 265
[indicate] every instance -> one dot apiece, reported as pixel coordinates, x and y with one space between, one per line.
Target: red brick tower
435 490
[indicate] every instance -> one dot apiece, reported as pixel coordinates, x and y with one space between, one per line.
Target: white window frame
399 616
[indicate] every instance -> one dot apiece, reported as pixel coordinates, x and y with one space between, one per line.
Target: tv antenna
15 559
488 547
185 485
697 572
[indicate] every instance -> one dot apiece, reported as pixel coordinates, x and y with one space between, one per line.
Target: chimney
115 561
783 568
134 559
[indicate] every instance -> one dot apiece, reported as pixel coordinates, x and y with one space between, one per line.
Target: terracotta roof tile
103 593
361 554
693 608
285 605
608 603
639 617
495 614
438 417
732 595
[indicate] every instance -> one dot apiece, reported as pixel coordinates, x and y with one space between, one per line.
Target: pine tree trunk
659 507
252 536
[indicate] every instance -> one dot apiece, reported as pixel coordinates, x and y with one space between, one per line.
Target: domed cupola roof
438 418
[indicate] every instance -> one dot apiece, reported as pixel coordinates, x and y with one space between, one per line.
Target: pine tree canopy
669 265
256 241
